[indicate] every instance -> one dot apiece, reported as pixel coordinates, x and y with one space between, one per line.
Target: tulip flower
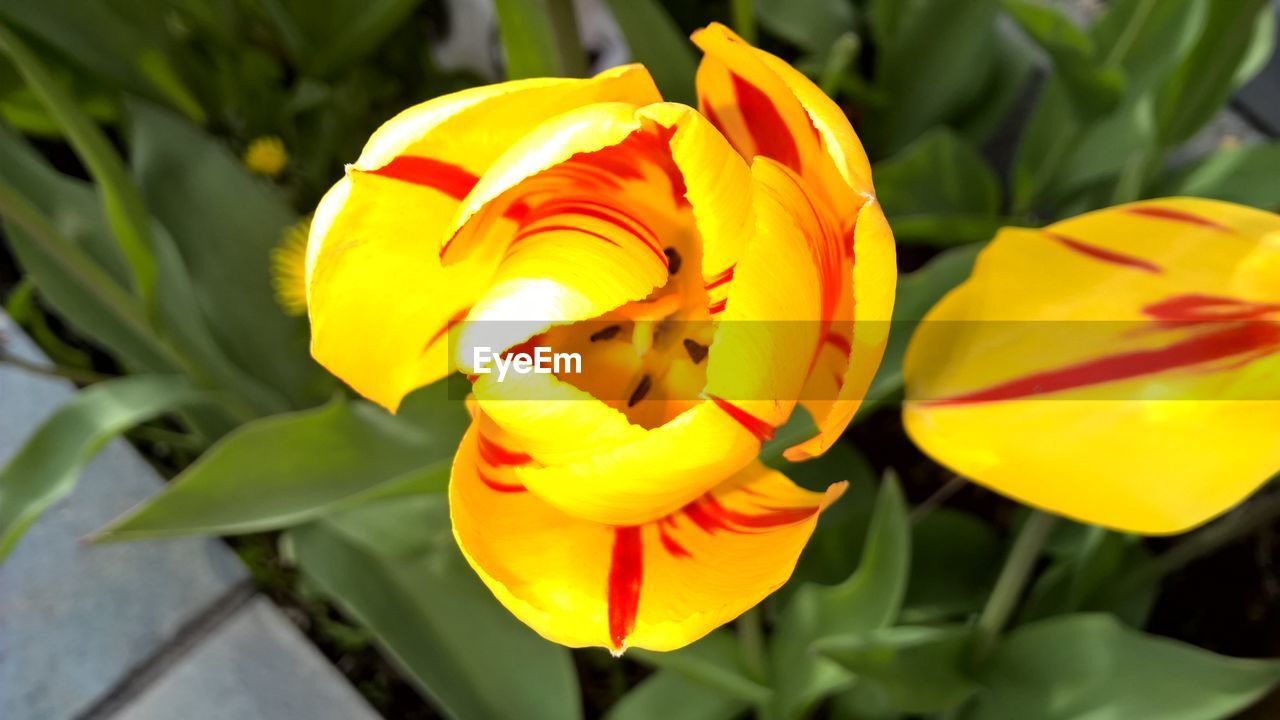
1121 368
707 266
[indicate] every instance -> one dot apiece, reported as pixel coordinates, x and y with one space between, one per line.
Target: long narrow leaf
125 210
656 41
541 38
45 469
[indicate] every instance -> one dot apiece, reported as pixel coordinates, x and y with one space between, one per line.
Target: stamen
697 351
641 390
606 334
673 260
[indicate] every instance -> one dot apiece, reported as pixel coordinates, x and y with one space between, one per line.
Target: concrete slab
75 620
258 666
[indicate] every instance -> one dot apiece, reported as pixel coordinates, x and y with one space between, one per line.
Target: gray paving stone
74 619
257 667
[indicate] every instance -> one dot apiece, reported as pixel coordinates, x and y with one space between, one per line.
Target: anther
641 390
673 260
697 351
605 334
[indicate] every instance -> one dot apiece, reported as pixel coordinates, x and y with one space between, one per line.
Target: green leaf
670 696
1090 665
811 25
1088 562
660 45
937 180
1059 154
955 558
1243 174
1094 90
106 41
328 36
917 293
714 662
540 38
203 195
832 552
395 568
125 210
938 56
46 467
869 599
287 469
1200 85
920 668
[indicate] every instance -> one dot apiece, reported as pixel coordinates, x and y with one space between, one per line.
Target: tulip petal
1121 368
765 107
660 585
592 199
380 301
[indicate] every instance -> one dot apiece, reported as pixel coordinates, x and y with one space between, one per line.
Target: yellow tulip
702 262
1121 368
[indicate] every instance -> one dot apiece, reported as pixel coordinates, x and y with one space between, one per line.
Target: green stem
743 13
1013 580
751 638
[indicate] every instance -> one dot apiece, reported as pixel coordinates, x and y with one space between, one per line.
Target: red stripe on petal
721 279
839 342
1242 340
448 325
754 425
772 518
450 179
498 486
1105 255
772 137
718 306
1164 213
499 456
1208 308
673 548
626 570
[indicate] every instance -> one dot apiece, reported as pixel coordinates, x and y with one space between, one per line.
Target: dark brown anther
697 351
605 334
673 260
641 390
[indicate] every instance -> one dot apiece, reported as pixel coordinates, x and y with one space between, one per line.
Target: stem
939 496
743 13
751 638
1013 579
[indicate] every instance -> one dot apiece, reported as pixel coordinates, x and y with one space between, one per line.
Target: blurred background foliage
158 157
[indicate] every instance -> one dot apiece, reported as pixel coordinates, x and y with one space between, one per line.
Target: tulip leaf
921 669
124 208
954 560
917 293
394 567
540 38
187 178
937 57
1202 82
669 695
288 469
45 468
328 36
656 41
834 548
1242 174
1094 89
869 599
104 40
714 662
1083 573
1059 153
939 189
811 25
1091 665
